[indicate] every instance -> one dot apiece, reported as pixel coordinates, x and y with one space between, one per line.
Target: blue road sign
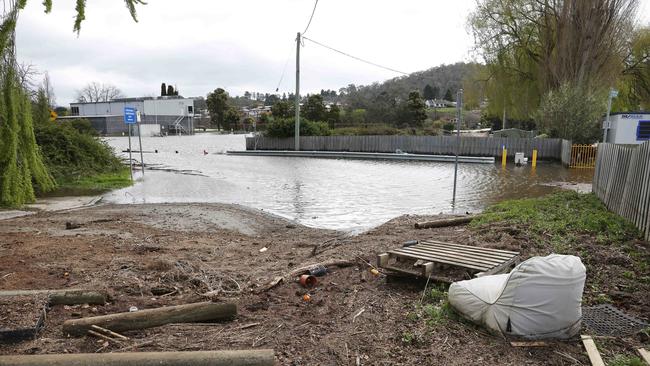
129 115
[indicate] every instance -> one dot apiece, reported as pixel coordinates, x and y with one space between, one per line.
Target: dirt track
179 252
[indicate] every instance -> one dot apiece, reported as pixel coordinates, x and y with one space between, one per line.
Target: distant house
171 114
439 103
256 112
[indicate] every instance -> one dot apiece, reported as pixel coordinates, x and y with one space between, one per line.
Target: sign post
139 119
130 118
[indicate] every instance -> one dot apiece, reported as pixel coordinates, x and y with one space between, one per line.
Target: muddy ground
153 255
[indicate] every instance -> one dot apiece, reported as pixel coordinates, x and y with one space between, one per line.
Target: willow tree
532 48
22 172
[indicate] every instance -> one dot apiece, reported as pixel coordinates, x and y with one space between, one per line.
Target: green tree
41 109
334 116
436 92
314 109
573 113
448 96
217 102
282 109
231 118
413 111
428 93
163 89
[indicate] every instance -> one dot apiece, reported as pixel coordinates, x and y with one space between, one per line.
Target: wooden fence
437 145
622 182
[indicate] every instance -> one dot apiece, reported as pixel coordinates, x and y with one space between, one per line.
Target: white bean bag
540 298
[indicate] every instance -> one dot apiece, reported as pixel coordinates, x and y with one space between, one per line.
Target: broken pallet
480 261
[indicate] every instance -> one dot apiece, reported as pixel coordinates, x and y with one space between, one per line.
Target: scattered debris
330 263
264 249
249 325
318 271
306 297
357 314
308 281
149 318
72 225
274 282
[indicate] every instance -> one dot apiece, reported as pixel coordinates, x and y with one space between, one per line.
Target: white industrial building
628 128
159 115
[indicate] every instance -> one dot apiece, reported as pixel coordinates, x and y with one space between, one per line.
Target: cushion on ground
539 298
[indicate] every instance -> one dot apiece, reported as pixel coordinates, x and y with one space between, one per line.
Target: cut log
77 297
329 263
264 357
190 313
445 222
62 297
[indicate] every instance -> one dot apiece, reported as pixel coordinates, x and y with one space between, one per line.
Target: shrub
70 154
285 127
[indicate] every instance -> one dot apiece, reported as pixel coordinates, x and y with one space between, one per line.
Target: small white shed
628 128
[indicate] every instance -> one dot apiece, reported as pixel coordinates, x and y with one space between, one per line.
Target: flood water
337 194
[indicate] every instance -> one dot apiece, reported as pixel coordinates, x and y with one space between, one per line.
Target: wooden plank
469 247
500 268
441 260
592 351
443 254
645 355
529 344
485 253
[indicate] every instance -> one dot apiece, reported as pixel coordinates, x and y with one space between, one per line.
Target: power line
284 69
356 58
311 17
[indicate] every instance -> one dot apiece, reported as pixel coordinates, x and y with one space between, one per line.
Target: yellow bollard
503 158
534 158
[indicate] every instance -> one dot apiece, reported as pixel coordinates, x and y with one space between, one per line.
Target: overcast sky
241 45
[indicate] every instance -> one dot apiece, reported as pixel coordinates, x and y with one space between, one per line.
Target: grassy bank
78 160
99 182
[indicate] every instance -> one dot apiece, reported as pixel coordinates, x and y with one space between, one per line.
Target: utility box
628 128
520 159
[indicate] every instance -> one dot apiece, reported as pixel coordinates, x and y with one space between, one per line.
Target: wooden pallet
429 253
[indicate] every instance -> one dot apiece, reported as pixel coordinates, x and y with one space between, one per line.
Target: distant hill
441 78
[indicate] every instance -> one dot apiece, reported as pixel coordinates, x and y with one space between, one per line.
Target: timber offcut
365 156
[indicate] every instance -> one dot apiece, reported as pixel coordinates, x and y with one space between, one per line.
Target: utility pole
459 111
297 101
612 94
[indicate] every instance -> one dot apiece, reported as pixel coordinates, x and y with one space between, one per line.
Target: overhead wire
311 17
284 69
355 57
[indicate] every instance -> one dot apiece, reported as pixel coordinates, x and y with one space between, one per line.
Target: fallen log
264 357
445 222
189 313
77 297
62 297
329 263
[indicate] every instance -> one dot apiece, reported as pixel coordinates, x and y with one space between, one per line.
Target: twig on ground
357 314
